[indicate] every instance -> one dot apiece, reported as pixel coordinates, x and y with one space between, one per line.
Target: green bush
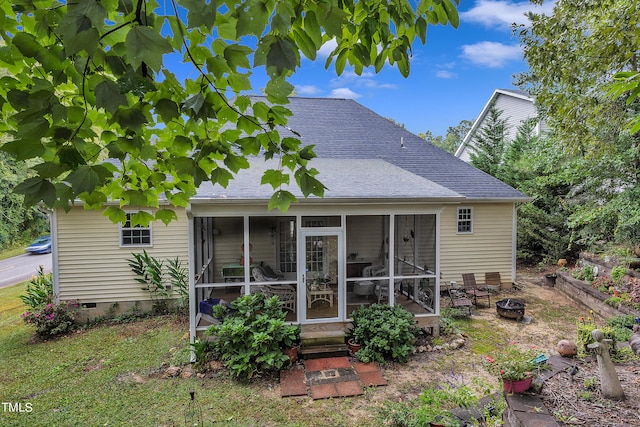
252 334
618 273
622 326
586 273
585 337
385 332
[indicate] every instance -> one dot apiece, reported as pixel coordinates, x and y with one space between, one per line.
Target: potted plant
290 342
516 366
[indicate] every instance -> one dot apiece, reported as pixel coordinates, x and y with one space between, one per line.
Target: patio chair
285 293
461 301
264 273
472 290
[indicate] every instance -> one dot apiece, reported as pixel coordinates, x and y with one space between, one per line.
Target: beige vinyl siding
92 266
489 248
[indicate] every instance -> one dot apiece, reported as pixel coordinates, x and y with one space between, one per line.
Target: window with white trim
134 235
465 220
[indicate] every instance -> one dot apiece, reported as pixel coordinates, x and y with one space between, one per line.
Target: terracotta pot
292 353
353 346
517 386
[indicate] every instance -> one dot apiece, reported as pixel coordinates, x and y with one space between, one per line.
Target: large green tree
573 55
453 138
91 80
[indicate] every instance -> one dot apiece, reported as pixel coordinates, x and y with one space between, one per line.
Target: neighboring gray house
399 217
516 105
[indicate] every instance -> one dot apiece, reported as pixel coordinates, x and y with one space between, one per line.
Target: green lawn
109 376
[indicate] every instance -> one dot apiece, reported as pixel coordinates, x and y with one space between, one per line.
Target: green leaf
310 185
281 200
252 18
167 109
26 44
142 218
200 13
108 96
331 18
237 56
274 177
235 163
115 214
278 90
282 56
86 178
24 149
37 189
221 176
146 45
166 216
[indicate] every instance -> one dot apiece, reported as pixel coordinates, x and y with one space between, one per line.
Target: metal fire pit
510 308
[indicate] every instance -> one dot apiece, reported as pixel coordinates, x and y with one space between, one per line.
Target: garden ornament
609 381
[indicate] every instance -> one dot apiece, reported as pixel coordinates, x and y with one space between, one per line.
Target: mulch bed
569 399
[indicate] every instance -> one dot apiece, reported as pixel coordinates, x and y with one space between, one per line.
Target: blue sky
452 76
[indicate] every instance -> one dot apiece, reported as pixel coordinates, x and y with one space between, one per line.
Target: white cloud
503 13
327 48
365 80
491 54
444 74
343 92
307 90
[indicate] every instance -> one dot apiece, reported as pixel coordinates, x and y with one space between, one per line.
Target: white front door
322 276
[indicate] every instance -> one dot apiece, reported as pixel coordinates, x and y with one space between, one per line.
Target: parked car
42 245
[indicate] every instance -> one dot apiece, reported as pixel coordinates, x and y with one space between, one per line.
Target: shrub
39 290
618 273
622 326
53 319
385 332
585 337
583 273
151 275
252 334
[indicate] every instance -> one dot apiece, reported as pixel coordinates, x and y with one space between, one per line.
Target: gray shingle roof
344 129
345 179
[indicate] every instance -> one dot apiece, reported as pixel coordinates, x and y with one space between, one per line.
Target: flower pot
353 346
517 386
292 353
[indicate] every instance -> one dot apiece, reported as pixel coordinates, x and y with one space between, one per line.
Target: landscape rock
567 348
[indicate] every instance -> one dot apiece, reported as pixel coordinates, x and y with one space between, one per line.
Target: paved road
22 267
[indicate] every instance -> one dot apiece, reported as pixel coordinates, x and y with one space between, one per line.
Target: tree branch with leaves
94 96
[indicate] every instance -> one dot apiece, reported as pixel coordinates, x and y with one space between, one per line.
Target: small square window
134 235
465 220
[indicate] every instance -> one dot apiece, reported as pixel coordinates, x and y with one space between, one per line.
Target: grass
110 375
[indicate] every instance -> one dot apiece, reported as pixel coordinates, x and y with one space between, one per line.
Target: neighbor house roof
345 129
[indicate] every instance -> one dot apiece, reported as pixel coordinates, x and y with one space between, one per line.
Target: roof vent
402 142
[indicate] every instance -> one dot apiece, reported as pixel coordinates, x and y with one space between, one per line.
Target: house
399 217
516 106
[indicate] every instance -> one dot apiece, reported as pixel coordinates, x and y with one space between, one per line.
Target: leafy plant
53 319
252 334
618 273
179 281
39 291
622 326
585 273
385 332
203 352
584 337
151 274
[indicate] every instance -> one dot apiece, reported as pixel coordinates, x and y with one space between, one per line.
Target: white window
465 220
134 235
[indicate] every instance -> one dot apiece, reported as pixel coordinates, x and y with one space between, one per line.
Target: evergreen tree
489 143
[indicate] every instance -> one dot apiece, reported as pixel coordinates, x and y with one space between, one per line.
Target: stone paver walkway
329 378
